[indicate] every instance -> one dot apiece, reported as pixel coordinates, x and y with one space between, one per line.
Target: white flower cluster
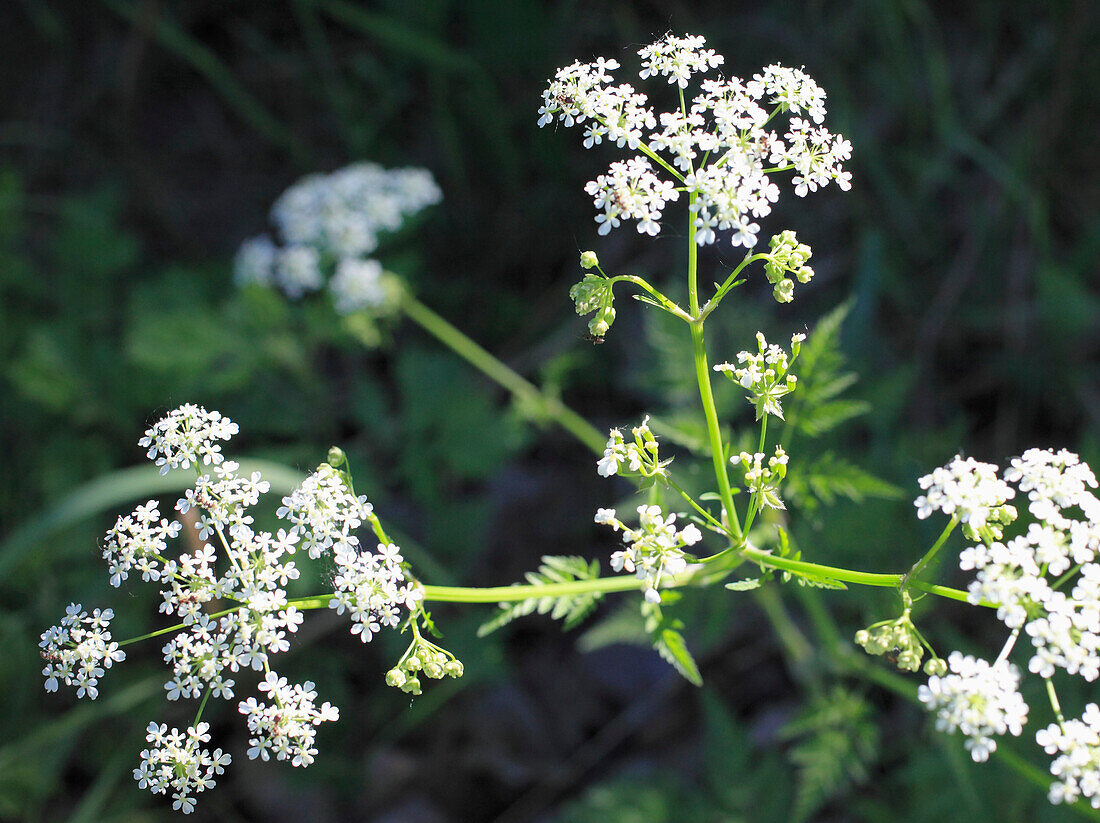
250 569
677 58
177 761
372 588
640 457
631 191
186 436
763 481
79 650
726 125
325 514
978 699
1077 765
1027 577
655 547
140 540
765 374
965 488
286 727
328 224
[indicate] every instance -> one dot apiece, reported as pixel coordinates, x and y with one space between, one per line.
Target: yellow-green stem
527 393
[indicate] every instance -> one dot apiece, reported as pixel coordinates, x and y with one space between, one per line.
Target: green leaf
828 477
570 608
664 634
838 743
744 585
826 416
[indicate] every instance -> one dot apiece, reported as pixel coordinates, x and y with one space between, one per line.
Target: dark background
142 141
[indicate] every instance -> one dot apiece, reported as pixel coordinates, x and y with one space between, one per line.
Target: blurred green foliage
142 140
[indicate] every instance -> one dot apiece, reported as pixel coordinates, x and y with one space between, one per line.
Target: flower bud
453 668
589 260
412 686
396 678
336 457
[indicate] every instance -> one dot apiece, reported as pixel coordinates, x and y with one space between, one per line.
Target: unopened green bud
336 457
396 678
863 637
909 661
804 274
600 324
589 260
784 291
433 670
935 667
413 663
453 668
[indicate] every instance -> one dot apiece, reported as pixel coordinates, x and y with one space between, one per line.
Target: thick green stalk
524 391
702 375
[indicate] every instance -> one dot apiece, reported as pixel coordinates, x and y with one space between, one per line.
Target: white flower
139 540
79 650
678 58
979 700
356 285
324 513
630 190
720 143
1077 765
255 262
765 374
186 436
177 761
965 488
373 589
1053 481
287 727
343 213
653 549
298 270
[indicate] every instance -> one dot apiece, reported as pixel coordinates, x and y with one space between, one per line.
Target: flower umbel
978 699
655 547
79 650
177 761
765 374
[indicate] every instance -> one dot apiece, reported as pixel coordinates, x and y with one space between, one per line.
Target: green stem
666 304
1054 704
920 565
712 304
709 517
524 391
890 581
202 705
754 502
706 393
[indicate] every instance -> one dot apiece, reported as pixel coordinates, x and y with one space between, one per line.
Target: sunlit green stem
706 394
664 302
202 705
691 501
1054 704
712 304
527 393
850 576
921 564
754 503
